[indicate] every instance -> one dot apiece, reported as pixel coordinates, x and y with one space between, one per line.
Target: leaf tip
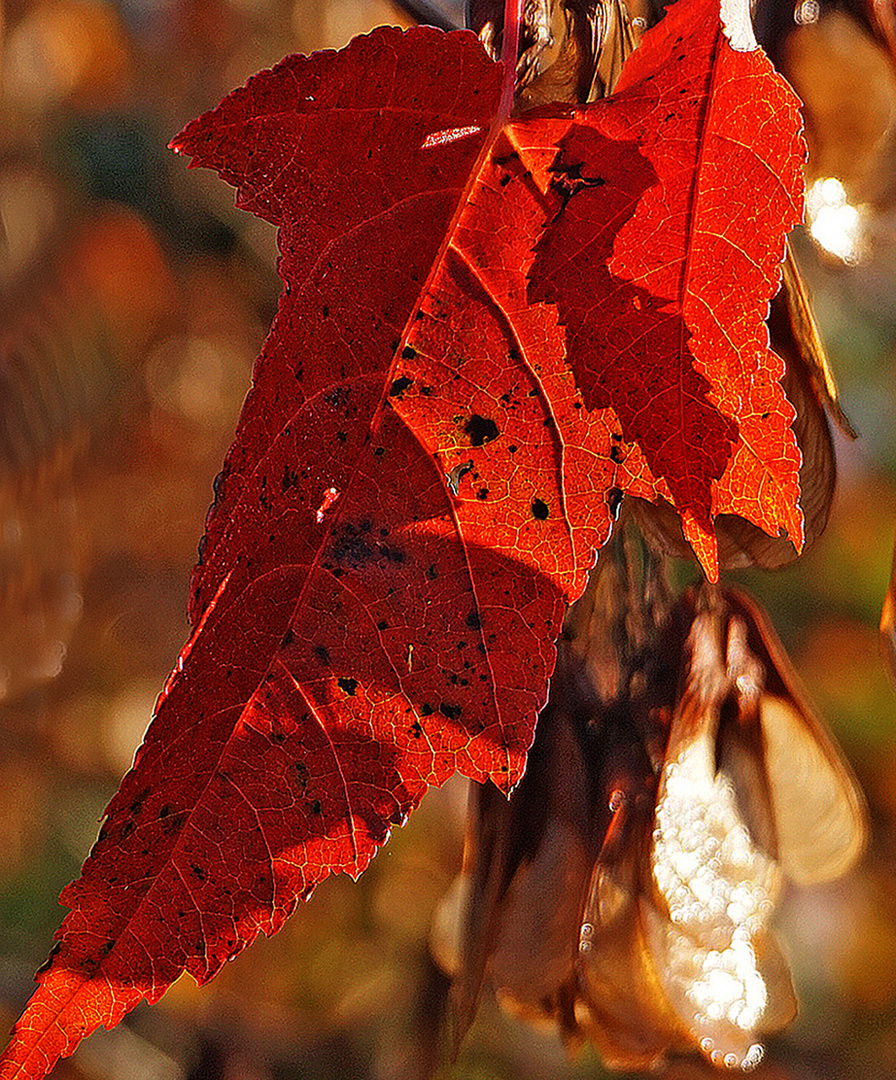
704 544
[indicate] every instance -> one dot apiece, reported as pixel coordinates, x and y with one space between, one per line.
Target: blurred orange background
133 301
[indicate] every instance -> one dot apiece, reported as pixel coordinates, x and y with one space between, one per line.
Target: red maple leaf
490 331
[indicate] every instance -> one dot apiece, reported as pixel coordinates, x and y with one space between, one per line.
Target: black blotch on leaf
539 509
323 654
352 544
473 620
315 806
481 429
399 386
616 455
350 686
452 712
197 871
408 352
301 774
568 180
287 639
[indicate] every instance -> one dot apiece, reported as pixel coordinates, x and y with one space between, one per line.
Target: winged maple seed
494 328
626 889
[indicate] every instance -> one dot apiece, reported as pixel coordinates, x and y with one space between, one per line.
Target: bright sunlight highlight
833 221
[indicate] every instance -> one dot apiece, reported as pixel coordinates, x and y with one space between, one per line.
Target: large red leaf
444 417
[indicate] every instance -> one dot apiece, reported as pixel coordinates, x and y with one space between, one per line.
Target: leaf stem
510 47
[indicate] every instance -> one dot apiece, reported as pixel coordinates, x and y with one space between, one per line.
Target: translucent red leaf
665 305
431 452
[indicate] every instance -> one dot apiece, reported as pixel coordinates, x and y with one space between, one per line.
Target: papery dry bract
626 891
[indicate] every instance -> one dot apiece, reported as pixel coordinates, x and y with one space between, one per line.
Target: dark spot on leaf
408 352
127 829
350 686
198 871
473 620
287 639
505 179
301 774
568 180
315 806
539 509
379 451
449 710
336 398
164 811
399 386
323 654
480 429
426 709
616 455
325 311
432 573
416 729
513 449
382 625
352 545
482 493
